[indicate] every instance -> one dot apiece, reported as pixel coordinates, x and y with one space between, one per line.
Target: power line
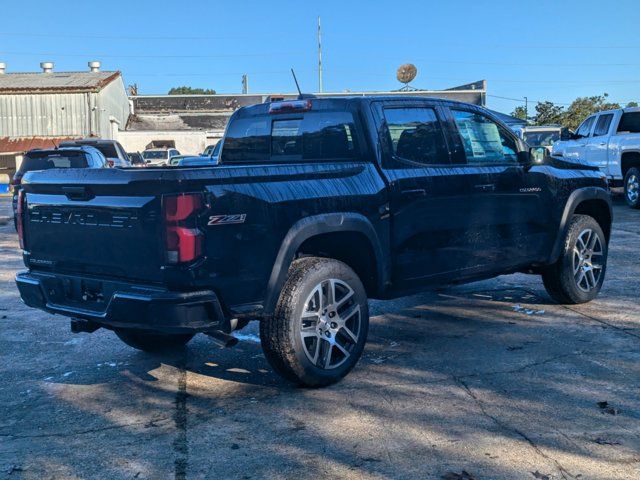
106 55
349 34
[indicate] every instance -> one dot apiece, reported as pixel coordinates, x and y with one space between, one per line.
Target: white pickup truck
610 140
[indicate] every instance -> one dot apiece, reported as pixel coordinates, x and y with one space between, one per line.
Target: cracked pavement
489 378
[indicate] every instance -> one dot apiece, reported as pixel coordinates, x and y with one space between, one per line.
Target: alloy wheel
633 188
331 324
588 257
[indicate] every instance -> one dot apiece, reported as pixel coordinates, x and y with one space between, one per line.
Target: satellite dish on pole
405 74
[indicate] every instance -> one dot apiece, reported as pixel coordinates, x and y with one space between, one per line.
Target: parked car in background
159 156
213 151
318 205
136 159
543 135
611 141
64 157
187 161
112 150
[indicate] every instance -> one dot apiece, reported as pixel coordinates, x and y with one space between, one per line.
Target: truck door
428 194
598 146
507 213
576 148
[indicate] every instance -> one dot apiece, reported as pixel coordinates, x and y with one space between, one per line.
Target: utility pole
319 57
526 109
245 83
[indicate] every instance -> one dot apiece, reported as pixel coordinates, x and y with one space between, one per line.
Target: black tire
632 187
560 280
152 342
304 291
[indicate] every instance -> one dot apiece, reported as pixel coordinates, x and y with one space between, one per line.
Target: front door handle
490 187
415 193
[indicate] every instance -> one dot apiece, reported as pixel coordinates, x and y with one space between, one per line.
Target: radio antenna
297 86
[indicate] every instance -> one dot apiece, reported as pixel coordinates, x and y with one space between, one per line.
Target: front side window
483 139
416 135
602 127
585 129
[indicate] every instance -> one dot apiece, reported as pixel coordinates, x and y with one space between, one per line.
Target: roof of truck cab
261 108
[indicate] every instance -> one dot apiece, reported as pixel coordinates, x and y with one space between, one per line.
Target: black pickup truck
317 205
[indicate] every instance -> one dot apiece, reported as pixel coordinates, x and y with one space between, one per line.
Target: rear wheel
632 187
578 274
320 325
152 342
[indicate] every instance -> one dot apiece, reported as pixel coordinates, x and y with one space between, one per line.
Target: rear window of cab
320 135
45 161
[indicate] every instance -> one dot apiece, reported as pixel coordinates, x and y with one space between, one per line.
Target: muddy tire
632 187
152 342
320 325
578 274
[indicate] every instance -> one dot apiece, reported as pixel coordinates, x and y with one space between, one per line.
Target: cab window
603 124
416 135
484 141
585 129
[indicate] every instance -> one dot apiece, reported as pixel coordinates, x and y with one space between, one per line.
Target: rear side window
416 135
483 140
602 127
320 135
45 161
630 122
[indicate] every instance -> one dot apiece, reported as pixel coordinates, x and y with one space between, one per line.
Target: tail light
183 239
17 180
20 218
290 106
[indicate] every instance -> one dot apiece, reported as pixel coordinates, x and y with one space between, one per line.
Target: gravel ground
488 380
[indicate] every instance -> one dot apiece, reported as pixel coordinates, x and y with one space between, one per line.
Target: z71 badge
227 219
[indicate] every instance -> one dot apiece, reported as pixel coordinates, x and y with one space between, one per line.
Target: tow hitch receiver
78 326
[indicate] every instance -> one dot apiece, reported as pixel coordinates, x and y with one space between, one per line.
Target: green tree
548 113
191 91
582 107
520 112
632 104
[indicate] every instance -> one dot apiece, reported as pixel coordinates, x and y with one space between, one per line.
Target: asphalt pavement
490 380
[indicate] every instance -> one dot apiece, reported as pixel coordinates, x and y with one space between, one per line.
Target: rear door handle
415 193
490 187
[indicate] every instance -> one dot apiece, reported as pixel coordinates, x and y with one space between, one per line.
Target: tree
191 91
632 104
520 112
548 113
582 107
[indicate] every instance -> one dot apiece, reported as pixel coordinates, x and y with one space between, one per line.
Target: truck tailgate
85 229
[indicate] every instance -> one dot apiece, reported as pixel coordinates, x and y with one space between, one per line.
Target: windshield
541 139
47 160
155 155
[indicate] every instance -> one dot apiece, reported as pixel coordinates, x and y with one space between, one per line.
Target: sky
543 50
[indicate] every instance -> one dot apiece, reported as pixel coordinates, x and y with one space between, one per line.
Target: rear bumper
114 304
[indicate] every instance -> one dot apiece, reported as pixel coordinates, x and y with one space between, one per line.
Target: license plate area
80 293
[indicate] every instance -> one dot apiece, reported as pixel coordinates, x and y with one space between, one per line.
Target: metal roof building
52 104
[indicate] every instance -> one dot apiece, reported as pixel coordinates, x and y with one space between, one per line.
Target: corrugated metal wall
51 114
64 114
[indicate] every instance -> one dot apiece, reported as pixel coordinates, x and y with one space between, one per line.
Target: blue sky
545 50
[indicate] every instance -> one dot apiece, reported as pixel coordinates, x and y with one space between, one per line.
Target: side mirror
538 155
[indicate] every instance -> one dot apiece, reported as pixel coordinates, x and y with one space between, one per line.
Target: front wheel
632 187
152 342
578 274
320 325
